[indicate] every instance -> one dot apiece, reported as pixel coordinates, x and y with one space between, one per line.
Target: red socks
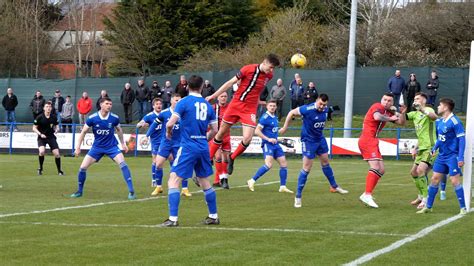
240 149
371 180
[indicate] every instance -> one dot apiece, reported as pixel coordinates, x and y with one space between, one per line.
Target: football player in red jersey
243 106
375 119
222 155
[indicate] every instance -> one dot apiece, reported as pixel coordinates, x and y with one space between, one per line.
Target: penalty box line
210 228
422 233
111 203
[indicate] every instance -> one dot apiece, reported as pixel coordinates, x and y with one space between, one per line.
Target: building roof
93 14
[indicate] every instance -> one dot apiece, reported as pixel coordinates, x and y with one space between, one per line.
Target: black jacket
156 92
310 93
433 89
412 88
142 93
9 103
207 90
61 101
127 97
97 104
37 104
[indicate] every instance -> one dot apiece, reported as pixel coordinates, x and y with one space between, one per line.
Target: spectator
166 94
103 94
155 91
57 103
432 86
142 94
412 87
278 93
182 87
9 102
297 90
127 98
207 89
37 104
262 104
395 86
84 106
67 114
310 93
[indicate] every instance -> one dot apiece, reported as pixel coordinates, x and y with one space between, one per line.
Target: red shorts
240 112
369 149
226 146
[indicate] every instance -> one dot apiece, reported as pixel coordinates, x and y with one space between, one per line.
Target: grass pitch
260 227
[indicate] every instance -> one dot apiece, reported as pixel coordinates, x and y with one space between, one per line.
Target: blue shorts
164 150
188 160
273 150
446 166
97 153
155 148
311 149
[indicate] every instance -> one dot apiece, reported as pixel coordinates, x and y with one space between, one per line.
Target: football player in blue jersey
450 145
195 115
103 125
267 130
313 142
168 147
155 139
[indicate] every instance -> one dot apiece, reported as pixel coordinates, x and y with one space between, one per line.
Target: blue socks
210 196
81 179
301 182
283 175
432 191
443 183
261 171
127 176
158 175
184 184
173 201
460 195
327 170
153 170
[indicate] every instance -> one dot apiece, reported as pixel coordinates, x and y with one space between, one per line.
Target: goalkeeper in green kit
423 118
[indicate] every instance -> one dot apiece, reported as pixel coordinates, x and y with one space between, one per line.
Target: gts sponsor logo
102 132
319 124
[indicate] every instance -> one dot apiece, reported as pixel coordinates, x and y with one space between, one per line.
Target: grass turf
260 227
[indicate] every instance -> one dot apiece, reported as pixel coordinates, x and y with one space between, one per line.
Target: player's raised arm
120 137
401 116
169 126
379 117
81 139
289 116
222 89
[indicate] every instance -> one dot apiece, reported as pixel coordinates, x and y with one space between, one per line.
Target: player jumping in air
313 143
378 115
103 124
450 144
243 106
195 116
267 130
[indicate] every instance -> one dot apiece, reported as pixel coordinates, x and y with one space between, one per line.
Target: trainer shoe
169 223
196 181
368 200
415 201
297 202
421 205
131 196
211 221
442 195
230 165
40 171
225 183
76 194
338 190
157 191
463 211
60 173
251 184
424 210
185 192
285 189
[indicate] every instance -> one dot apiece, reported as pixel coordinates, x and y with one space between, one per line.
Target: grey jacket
278 93
68 111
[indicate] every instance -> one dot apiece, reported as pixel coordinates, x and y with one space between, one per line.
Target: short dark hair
195 82
273 59
175 94
69 96
272 101
104 99
448 102
48 103
156 100
324 97
422 94
389 94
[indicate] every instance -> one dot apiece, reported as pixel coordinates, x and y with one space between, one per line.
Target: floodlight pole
350 71
467 176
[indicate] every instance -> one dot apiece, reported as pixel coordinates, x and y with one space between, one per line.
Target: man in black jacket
9 102
310 93
127 98
155 91
142 94
57 103
432 87
37 104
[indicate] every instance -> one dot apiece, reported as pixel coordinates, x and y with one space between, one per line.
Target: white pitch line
110 203
212 228
370 256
